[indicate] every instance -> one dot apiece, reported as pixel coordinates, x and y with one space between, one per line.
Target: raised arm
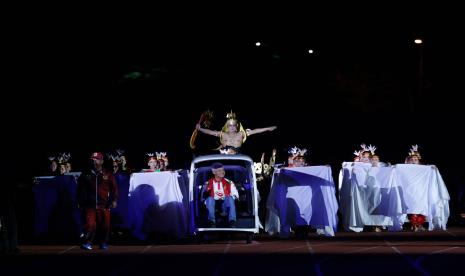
207 131
259 130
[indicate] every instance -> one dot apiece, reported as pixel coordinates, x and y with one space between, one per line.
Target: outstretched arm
260 130
207 131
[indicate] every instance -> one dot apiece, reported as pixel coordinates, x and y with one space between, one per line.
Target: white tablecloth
384 196
302 196
156 205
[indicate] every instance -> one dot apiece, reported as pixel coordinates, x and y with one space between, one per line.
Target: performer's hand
197 126
113 204
272 128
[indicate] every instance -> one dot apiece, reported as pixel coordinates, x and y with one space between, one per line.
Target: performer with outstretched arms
232 135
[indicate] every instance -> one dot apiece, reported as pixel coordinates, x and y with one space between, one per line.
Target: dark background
87 79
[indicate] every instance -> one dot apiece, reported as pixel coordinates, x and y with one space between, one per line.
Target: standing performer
416 220
232 135
97 193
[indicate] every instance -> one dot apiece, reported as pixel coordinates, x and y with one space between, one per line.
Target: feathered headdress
297 152
371 149
151 156
114 157
63 157
224 151
414 151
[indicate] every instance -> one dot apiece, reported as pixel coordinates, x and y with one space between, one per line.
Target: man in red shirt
220 188
97 193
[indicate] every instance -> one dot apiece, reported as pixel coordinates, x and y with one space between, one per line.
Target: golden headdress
232 120
414 151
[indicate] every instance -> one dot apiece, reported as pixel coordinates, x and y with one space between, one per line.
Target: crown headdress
63 157
414 151
366 148
116 158
231 118
297 152
224 151
371 149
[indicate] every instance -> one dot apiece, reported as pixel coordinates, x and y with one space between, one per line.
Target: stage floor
368 253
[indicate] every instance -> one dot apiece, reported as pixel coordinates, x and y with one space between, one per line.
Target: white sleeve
234 192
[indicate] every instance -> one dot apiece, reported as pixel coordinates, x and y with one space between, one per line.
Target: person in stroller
220 188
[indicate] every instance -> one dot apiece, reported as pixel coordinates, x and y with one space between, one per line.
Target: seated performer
162 161
297 157
367 153
416 220
357 154
64 163
220 188
54 166
232 135
152 163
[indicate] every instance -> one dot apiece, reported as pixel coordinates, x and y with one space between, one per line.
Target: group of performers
231 137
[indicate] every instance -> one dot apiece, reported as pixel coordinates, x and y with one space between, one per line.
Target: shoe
86 246
104 246
232 224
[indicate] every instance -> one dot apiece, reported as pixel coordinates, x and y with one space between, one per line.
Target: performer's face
299 162
357 159
123 160
62 169
98 162
414 160
162 165
219 172
375 160
153 164
53 166
365 157
232 128
68 167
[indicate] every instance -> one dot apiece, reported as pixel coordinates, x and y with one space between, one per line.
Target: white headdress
414 151
372 149
63 157
295 152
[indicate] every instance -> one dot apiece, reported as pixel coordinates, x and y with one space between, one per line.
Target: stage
367 253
